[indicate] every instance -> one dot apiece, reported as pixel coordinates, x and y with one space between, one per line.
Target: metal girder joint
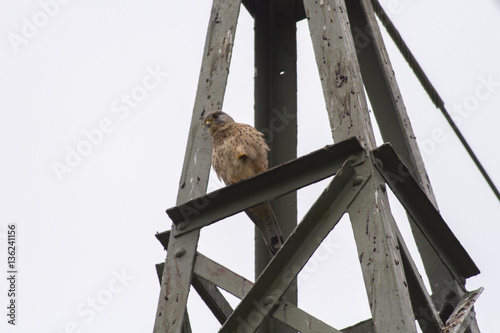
269 185
298 248
426 216
238 286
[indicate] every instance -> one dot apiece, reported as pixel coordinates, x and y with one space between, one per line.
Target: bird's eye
215 115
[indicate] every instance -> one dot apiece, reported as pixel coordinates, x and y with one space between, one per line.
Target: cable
429 88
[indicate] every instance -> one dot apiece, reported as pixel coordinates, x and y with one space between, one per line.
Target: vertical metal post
395 127
376 240
171 314
276 113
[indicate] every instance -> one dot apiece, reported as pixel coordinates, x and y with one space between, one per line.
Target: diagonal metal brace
214 273
213 298
275 182
294 254
421 209
421 302
208 291
238 286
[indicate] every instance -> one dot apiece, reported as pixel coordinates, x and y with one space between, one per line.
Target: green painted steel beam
381 85
171 314
163 238
380 257
294 254
209 293
159 271
299 13
311 168
395 127
423 307
221 276
423 212
370 215
421 302
238 286
276 114
213 298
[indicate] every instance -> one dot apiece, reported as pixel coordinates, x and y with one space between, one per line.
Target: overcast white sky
86 245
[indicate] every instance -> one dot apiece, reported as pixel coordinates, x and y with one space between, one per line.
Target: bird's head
216 119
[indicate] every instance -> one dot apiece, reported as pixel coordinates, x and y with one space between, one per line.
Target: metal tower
399 300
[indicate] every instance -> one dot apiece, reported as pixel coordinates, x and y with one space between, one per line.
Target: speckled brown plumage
239 151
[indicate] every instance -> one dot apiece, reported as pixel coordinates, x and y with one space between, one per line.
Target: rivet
352 158
180 252
357 180
181 226
383 187
268 301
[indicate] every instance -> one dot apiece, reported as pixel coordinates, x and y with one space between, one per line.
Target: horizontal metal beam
238 286
421 209
294 254
300 13
269 185
459 320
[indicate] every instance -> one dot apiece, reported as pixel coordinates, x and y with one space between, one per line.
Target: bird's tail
264 218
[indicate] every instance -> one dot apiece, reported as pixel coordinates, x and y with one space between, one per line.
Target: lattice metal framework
347 65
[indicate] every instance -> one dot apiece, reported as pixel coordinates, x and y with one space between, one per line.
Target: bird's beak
208 123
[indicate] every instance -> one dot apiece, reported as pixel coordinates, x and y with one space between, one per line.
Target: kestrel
239 151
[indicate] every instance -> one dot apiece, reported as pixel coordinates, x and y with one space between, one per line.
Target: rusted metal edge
457 322
285 312
298 248
421 209
275 182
